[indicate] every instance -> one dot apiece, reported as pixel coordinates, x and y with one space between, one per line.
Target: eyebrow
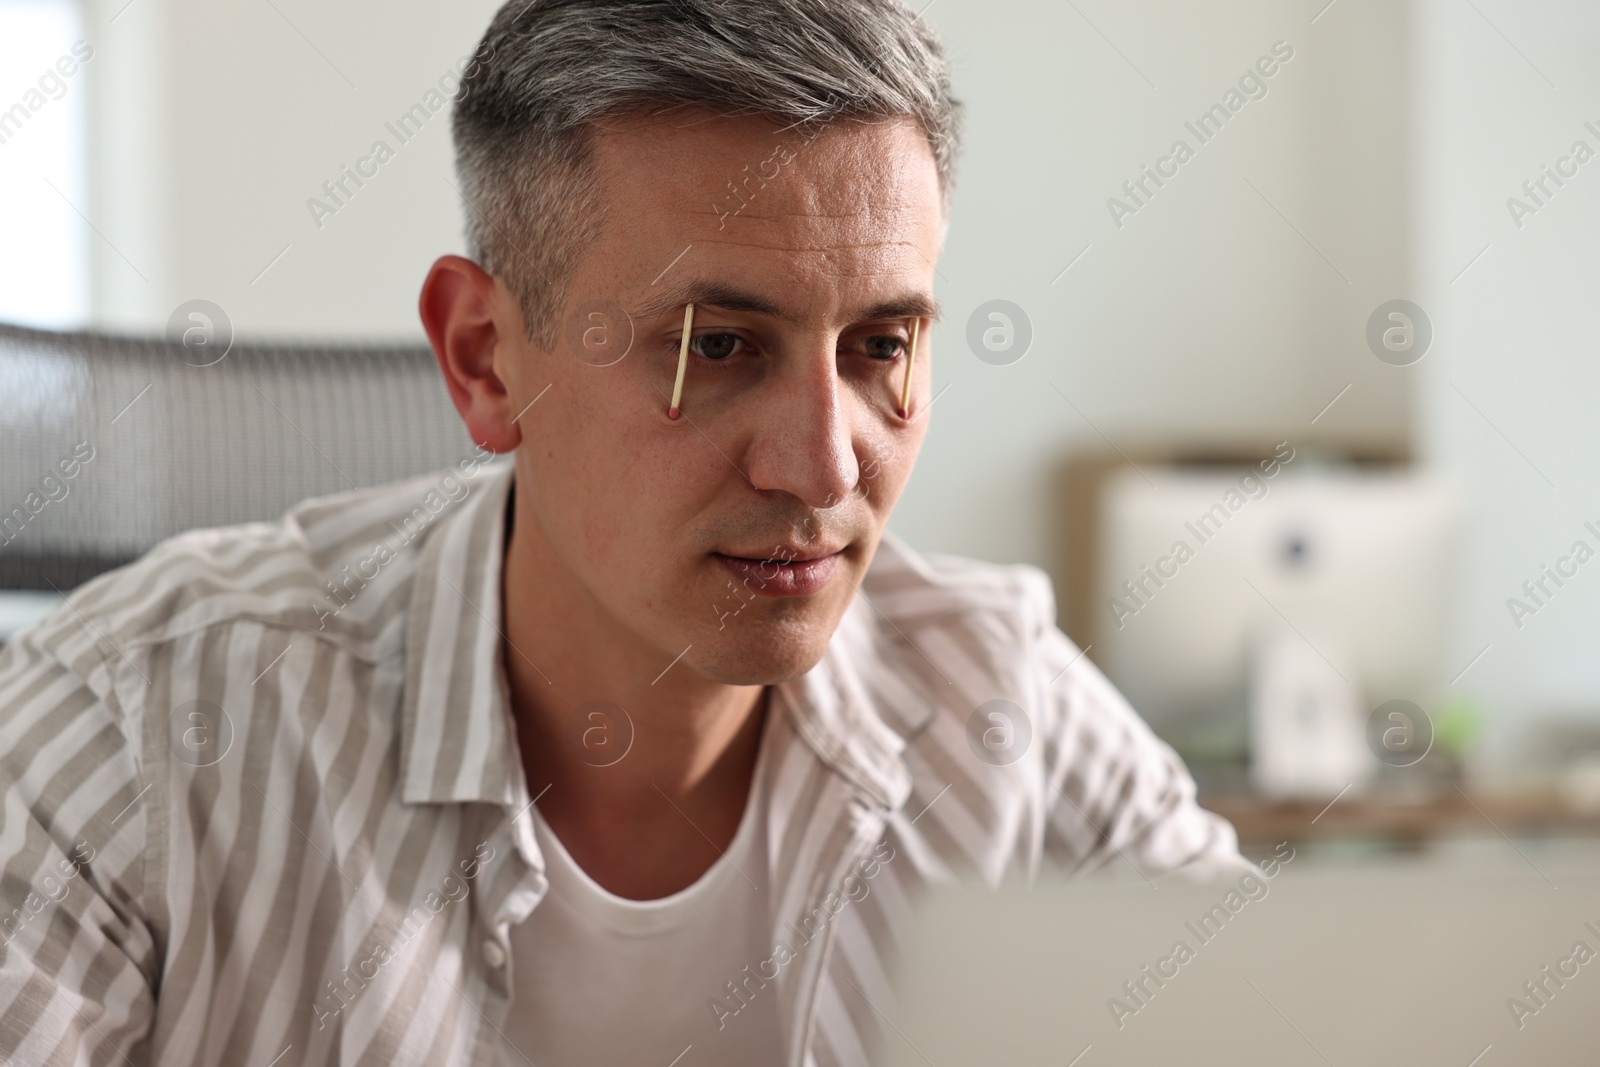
706 293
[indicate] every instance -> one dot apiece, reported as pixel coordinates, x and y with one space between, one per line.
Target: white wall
1205 315
221 120
1507 401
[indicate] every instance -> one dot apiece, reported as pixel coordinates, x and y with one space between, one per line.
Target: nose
803 442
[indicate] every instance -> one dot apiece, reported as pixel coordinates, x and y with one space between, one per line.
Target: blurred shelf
1408 819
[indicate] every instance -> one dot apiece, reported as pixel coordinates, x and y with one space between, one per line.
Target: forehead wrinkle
870 251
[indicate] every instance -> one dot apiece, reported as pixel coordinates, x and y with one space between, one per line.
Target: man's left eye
885 347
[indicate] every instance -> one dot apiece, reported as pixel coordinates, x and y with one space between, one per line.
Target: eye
884 347
715 346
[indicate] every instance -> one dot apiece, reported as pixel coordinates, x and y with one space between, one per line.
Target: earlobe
461 312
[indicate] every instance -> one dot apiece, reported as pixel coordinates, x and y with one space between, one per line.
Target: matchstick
911 359
683 363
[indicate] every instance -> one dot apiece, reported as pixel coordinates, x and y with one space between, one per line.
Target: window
44 174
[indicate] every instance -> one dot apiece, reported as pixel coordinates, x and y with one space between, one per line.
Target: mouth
787 573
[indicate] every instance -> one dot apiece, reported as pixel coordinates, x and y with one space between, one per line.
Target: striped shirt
262 802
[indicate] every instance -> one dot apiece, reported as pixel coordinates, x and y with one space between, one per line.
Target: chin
761 652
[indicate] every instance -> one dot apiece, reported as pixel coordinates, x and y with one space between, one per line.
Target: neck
641 771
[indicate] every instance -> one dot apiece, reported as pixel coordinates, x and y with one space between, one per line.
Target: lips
783 554
805 574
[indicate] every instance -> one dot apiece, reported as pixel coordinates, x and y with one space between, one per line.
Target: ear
470 320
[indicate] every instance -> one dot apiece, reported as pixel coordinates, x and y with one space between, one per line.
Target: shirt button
493 954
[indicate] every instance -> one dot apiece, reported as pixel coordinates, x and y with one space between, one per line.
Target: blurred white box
1201 570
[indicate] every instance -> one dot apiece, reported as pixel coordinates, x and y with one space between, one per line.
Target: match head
673 413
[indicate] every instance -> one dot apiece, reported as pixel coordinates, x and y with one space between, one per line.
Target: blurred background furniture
176 446
1344 555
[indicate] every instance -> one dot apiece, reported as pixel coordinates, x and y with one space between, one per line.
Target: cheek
634 494
896 455
609 493
600 535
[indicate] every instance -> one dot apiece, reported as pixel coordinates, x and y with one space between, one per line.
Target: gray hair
551 69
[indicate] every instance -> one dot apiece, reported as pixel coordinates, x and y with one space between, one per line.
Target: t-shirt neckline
623 915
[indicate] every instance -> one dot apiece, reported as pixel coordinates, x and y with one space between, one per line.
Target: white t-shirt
599 979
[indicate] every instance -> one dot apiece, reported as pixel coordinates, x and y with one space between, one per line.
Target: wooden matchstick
683 363
911 359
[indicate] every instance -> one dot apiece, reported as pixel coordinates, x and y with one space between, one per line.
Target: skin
790 447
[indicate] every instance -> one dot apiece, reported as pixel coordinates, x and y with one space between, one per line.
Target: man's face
742 529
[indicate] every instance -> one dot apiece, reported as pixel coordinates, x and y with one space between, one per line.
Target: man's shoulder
336 565
914 589
938 634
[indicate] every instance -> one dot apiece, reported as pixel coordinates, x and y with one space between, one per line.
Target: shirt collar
457 740
834 710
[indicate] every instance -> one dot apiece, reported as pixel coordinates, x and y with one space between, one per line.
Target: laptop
1404 965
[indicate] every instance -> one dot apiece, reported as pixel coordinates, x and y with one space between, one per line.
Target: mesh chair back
111 444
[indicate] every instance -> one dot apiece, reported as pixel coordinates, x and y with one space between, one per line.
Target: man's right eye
715 346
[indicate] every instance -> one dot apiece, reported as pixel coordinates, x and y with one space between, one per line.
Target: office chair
174 444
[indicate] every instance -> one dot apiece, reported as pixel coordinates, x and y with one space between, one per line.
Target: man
631 749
